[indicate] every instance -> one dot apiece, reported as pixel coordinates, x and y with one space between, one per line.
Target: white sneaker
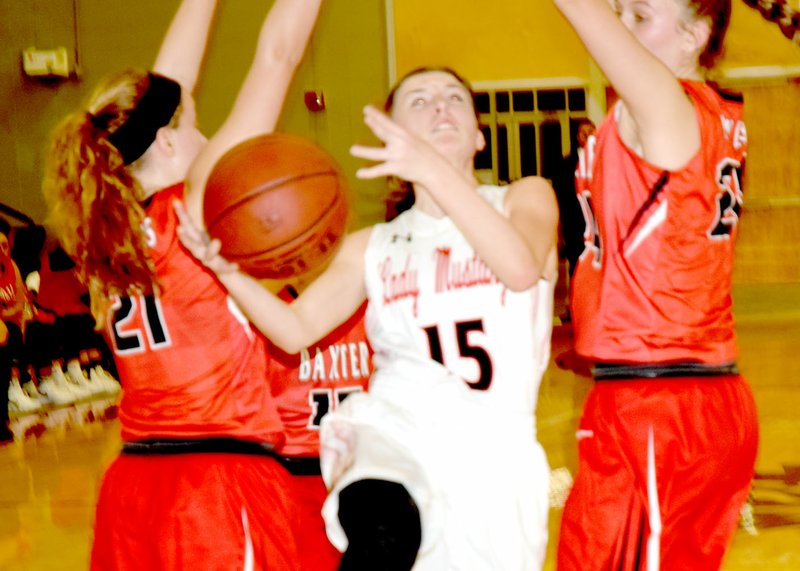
18 401
78 377
103 377
54 393
29 388
79 391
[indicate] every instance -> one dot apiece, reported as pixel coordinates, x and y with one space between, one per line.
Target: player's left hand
199 244
403 154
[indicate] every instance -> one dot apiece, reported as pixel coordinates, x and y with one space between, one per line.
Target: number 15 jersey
436 311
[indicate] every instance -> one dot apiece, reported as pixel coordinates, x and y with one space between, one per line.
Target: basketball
278 205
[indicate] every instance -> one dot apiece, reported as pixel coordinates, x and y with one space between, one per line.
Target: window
527 129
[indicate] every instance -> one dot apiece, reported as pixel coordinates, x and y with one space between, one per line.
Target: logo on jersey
347 361
457 274
399 285
396 237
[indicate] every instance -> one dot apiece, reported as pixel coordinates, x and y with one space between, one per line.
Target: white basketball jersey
435 306
450 407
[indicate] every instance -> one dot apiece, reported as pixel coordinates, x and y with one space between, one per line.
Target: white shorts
479 477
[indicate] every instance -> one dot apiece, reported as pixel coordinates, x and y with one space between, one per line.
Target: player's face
662 26
436 107
5 248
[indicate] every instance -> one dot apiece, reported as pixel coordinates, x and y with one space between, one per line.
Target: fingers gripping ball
278 205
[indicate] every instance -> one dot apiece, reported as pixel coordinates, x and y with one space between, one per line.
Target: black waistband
295 465
301 465
198 446
612 371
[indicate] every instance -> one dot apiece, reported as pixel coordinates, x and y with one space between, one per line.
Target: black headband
154 110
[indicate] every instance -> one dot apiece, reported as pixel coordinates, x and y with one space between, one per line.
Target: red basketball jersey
653 284
309 384
190 364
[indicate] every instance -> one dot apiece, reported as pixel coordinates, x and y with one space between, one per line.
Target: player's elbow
286 341
522 277
282 53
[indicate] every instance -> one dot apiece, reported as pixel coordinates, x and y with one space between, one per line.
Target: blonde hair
92 197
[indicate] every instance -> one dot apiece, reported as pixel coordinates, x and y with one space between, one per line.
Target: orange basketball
278 204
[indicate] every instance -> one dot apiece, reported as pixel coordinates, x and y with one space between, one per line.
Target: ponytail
92 197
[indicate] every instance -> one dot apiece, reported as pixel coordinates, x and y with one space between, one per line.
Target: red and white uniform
450 411
654 282
665 463
309 384
306 386
191 367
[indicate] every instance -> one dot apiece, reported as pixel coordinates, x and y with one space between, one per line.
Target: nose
440 103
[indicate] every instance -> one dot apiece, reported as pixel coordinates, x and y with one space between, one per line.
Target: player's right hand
200 245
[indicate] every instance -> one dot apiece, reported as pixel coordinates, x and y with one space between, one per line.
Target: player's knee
382 524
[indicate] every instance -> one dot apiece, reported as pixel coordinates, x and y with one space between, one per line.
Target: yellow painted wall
487 40
752 41
514 39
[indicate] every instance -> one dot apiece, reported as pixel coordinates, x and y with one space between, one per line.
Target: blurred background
535 84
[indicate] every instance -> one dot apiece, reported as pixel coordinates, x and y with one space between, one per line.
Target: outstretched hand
199 244
402 155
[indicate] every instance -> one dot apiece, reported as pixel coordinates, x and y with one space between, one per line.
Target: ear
480 141
165 141
696 35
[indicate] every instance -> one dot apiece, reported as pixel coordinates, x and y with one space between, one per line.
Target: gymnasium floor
49 480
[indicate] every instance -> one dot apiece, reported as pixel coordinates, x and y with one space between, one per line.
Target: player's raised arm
181 53
281 44
658 116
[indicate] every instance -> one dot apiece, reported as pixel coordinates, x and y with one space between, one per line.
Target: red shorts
664 467
316 551
198 511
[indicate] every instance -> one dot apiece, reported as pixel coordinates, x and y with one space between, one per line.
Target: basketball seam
246 197
304 235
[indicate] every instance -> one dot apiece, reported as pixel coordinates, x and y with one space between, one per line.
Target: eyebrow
455 85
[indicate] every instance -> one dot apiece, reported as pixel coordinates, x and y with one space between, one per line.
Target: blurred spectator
14 312
572 221
64 333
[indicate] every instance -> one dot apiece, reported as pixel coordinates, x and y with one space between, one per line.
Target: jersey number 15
479 354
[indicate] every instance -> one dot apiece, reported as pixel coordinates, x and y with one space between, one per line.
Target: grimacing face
437 107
